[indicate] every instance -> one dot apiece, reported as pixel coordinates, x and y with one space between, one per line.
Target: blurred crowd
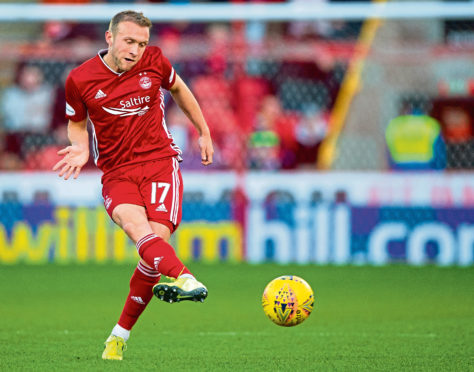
266 89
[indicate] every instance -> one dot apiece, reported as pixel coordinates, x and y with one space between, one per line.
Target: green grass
56 318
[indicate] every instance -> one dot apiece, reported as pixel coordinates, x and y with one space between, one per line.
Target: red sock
141 284
158 254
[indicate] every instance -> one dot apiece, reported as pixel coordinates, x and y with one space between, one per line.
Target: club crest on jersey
145 82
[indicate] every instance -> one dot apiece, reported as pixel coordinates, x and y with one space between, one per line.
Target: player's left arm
185 99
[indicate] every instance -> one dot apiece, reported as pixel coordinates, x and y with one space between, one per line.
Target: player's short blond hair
129 16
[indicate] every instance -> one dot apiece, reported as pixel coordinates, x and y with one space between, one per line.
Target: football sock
141 292
187 276
159 255
120 332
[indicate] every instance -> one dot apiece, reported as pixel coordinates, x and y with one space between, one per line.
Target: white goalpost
292 11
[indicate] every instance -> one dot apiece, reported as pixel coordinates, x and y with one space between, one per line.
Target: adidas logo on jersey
107 201
138 300
100 94
161 208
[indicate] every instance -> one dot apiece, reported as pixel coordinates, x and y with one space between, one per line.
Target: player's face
126 45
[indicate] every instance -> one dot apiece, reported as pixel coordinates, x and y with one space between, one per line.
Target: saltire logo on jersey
119 111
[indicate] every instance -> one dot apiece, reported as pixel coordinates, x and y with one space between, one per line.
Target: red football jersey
126 109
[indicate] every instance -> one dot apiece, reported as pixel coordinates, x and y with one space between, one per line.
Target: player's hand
207 151
74 158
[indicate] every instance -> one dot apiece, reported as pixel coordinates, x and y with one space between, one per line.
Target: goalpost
292 11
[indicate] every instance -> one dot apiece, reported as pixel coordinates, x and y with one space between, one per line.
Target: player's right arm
76 155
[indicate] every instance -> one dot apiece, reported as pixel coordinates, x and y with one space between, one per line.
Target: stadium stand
234 67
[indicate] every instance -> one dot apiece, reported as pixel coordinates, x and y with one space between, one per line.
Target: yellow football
288 300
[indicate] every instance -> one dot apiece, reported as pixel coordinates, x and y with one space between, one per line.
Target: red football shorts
156 185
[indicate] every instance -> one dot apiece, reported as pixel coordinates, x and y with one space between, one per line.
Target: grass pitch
56 318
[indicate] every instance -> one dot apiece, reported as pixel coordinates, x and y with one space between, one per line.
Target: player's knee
130 228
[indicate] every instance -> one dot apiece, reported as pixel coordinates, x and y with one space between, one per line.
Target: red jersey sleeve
76 110
169 75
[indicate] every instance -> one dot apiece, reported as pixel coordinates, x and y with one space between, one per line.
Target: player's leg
118 189
162 192
122 201
141 283
154 249
158 255
185 287
140 294
133 220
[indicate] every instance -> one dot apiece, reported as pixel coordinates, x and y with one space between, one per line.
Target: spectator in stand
272 143
26 106
456 119
264 141
8 160
310 132
415 142
264 146
26 109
